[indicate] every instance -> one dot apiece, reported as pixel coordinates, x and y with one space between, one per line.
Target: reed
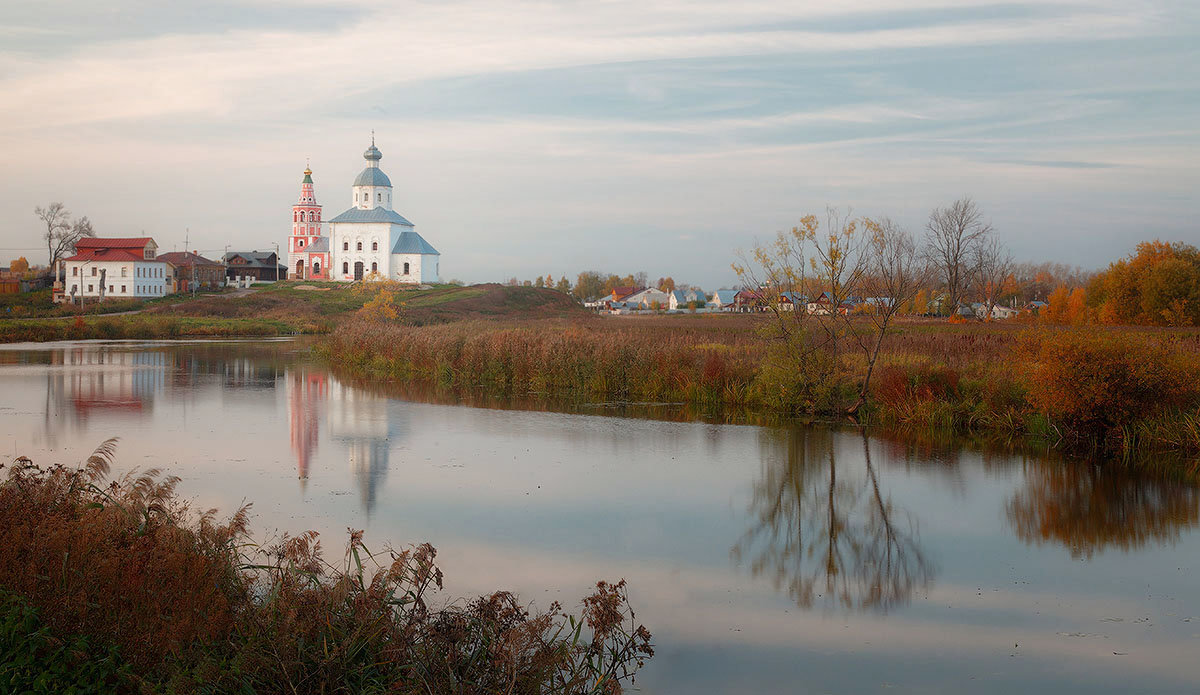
174 600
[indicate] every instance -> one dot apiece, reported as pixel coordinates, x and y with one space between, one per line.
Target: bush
1092 382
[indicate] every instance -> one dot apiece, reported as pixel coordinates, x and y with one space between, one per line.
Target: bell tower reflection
306 390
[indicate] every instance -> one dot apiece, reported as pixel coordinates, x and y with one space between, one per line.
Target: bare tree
993 264
952 235
61 233
895 273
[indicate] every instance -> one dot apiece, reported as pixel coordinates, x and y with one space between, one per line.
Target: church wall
351 235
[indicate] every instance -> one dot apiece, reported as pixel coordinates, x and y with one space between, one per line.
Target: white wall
142 279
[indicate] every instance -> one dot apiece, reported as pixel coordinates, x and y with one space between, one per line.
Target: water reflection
1092 508
365 425
307 390
824 529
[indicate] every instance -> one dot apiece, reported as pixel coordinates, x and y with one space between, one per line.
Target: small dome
372 176
372 154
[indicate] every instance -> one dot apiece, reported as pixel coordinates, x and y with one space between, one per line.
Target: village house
648 298
685 299
193 271
260 266
723 300
118 268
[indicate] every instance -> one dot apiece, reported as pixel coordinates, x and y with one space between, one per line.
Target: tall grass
179 601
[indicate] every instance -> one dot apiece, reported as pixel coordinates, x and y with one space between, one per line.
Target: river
764 559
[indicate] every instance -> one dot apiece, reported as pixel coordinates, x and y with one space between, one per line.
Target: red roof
107 255
621 292
113 243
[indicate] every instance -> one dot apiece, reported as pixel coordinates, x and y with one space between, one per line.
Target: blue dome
372 176
373 153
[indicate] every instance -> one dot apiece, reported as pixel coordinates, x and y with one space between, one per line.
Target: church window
374 267
358 248
345 267
294 217
345 246
374 245
311 216
406 269
316 267
380 198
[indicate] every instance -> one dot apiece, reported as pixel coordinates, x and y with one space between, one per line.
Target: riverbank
121 586
1123 392
284 308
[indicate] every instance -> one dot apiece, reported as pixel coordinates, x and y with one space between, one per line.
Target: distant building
194 271
682 299
262 266
723 300
119 268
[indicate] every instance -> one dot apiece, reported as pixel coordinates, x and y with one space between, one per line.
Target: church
368 241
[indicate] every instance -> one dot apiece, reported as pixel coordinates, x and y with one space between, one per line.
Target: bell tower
306 231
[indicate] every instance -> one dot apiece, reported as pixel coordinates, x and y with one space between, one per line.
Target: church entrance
299 270
358 270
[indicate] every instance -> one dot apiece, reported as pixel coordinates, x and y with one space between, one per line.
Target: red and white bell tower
308 251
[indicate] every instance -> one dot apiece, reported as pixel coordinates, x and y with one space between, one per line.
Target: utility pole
277 261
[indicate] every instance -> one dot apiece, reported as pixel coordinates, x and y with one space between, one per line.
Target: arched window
374 267
345 267
380 197
312 216
358 246
294 217
345 246
406 269
316 267
374 245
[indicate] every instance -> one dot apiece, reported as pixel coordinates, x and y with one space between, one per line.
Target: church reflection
825 530
362 424
1091 508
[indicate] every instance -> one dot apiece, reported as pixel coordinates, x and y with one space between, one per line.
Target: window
374 267
91 288
316 267
93 271
122 289
110 289
374 245
345 267
406 269
380 197
301 243
294 217
345 246
75 271
124 272
358 245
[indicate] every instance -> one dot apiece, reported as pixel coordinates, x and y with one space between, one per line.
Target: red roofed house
122 268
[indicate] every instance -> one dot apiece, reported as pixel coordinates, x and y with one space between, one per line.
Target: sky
526 138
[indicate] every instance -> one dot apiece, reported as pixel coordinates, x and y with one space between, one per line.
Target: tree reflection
825 531
1089 508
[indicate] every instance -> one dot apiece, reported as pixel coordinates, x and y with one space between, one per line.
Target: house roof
319 244
724 296
184 258
620 292
411 242
96 255
114 242
358 215
257 259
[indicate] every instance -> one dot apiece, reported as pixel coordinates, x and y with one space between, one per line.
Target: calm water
785 559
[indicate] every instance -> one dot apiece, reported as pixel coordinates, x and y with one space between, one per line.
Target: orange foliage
1158 285
1092 381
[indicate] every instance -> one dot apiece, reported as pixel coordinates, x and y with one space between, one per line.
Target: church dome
372 176
372 154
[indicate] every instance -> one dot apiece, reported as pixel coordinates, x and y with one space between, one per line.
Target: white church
368 241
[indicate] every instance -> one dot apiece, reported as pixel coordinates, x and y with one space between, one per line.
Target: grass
118 585
983 379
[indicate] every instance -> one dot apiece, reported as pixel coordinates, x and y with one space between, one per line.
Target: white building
124 268
373 240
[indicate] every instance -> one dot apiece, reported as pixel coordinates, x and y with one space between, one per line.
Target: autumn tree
539 282
588 285
952 237
1157 285
19 266
666 284
549 281
564 285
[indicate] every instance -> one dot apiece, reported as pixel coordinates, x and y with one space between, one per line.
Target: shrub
1091 382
